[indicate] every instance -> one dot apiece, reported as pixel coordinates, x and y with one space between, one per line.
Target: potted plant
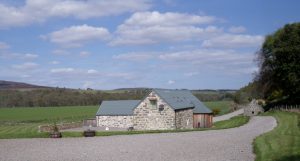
89 133
55 133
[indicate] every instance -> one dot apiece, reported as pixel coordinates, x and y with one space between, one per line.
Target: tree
279 62
247 93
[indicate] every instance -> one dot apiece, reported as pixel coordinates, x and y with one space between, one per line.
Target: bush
216 111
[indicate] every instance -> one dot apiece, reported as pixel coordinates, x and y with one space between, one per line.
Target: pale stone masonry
147 115
184 119
253 108
115 121
159 110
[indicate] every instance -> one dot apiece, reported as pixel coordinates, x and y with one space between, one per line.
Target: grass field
47 114
282 143
223 106
24 122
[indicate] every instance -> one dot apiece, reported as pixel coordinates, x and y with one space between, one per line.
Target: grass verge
30 131
283 142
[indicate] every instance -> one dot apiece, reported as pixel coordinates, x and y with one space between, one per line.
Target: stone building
253 108
160 110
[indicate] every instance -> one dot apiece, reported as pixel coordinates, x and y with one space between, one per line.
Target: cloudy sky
195 44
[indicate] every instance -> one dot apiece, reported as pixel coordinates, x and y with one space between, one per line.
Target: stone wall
115 121
253 108
184 119
149 116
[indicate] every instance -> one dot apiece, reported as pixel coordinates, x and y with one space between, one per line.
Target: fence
289 108
49 128
90 122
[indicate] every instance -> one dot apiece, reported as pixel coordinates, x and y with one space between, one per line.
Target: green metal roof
120 107
181 99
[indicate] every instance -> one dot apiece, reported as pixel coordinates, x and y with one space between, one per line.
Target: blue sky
195 44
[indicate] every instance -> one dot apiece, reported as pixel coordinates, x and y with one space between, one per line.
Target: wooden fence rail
49 128
289 108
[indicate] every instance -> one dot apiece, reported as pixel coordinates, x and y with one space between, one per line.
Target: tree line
278 79
61 97
68 97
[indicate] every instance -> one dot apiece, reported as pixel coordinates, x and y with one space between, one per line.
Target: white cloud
76 36
60 52
92 71
88 84
134 56
167 19
84 53
30 56
170 2
122 75
237 29
54 62
25 76
233 41
190 74
26 66
40 10
10 55
4 45
226 61
154 27
62 70
207 56
171 82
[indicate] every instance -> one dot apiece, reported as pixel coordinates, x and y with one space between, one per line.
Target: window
161 107
153 102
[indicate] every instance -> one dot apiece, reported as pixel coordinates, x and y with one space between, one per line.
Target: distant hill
214 91
205 91
17 94
9 85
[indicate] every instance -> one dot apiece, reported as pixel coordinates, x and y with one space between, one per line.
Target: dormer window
153 102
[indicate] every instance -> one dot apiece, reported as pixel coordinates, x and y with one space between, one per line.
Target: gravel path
214 145
228 116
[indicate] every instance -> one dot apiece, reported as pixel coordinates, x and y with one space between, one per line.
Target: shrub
216 111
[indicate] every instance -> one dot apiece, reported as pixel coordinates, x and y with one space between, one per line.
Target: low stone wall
49 128
115 121
184 119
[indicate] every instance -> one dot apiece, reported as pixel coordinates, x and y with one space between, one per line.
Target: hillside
9 85
16 94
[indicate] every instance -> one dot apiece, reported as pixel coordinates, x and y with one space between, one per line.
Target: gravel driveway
218 145
228 116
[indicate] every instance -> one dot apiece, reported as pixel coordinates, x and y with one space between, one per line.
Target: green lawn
24 122
282 143
223 106
233 122
47 114
27 130
71 113
30 130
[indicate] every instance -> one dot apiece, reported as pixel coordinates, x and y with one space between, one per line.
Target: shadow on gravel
289 158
